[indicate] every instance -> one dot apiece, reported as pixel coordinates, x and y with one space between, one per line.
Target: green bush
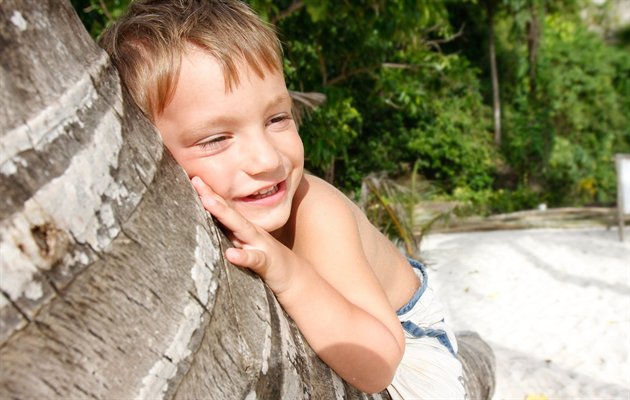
562 141
97 14
487 202
396 97
342 121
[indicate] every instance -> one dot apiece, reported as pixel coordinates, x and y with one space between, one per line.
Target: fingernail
233 254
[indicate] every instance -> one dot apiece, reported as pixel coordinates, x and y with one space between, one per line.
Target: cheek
189 165
295 149
215 174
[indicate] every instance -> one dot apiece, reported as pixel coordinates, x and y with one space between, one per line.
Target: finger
200 186
204 190
242 230
255 260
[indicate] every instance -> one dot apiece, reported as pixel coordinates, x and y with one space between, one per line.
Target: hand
254 247
338 329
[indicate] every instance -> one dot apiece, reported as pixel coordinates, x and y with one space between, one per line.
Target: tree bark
533 43
113 284
496 101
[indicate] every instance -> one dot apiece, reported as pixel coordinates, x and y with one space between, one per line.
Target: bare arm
325 285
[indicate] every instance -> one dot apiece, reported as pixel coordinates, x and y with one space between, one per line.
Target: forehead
235 69
198 64
232 67
202 99
202 75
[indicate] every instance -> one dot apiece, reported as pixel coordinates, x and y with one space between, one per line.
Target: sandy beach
553 304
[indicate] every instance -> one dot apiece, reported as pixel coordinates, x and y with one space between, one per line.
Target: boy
209 75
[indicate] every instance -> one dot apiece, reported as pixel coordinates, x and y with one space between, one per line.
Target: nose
261 155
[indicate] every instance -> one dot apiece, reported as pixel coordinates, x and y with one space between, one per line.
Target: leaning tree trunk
112 283
112 280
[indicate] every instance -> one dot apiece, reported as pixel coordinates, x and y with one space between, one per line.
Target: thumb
255 260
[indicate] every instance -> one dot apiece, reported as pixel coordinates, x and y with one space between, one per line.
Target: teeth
265 193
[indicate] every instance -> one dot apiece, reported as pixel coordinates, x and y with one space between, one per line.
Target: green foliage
451 138
97 14
342 122
409 96
487 201
564 139
401 93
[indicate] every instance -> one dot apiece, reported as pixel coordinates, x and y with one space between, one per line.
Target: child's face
242 143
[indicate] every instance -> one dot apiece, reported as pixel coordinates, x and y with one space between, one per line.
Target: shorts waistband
420 270
425 325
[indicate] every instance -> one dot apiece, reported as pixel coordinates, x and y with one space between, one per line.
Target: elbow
387 374
373 389
369 370
379 378
375 386
383 376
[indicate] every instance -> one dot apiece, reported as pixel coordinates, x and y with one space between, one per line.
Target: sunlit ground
553 304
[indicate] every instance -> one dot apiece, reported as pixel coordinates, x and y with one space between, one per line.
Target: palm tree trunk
113 284
112 280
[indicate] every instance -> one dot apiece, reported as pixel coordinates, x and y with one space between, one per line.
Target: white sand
553 304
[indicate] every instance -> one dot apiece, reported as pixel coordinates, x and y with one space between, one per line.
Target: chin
272 226
271 223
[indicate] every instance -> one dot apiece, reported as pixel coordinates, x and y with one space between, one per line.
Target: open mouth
264 193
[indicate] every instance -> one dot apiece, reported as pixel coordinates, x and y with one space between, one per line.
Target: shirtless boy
209 75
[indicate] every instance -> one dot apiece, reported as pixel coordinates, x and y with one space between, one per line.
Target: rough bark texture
533 44
112 284
479 365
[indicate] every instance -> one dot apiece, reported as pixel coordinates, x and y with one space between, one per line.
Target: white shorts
429 368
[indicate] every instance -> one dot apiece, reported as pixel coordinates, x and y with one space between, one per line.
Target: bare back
386 262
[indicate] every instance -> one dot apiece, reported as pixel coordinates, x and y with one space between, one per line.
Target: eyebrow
197 132
283 98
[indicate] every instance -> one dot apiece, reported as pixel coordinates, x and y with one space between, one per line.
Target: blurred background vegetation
500 105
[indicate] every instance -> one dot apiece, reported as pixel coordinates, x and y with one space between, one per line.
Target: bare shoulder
329 228
336 238
321 207
319 189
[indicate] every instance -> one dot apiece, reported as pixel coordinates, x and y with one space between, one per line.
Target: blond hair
147 44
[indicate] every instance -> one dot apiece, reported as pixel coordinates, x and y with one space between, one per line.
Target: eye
214 143
280 121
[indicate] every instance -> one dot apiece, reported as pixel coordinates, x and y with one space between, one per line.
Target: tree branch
322 64
294 7
353 72
400 66
437 42
108 15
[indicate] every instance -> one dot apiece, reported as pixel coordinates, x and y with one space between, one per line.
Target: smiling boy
209 75
244 135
